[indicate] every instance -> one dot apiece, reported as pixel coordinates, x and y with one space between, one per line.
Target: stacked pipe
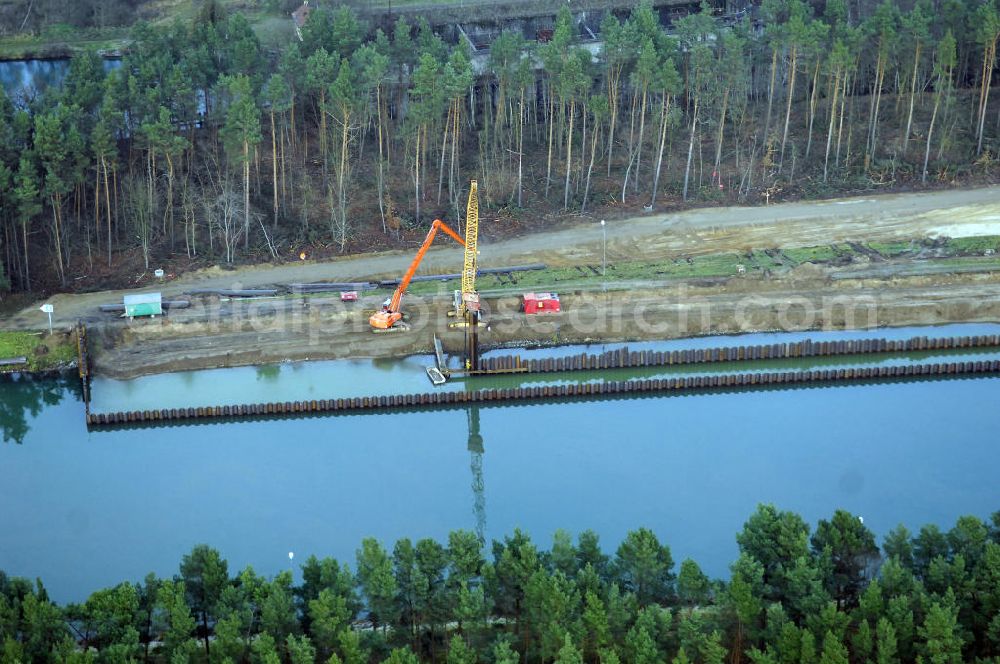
237 292
623 358
332 286
392 283
713 382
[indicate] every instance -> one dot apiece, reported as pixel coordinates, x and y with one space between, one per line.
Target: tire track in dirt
655 236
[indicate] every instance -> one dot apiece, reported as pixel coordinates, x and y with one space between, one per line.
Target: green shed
143 304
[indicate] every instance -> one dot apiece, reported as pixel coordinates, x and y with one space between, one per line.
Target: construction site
456 300
891 261
682 259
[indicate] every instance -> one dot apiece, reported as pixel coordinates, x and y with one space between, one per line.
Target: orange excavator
389 318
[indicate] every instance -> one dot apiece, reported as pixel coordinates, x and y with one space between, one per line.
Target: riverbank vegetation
206 147
793 596
43 351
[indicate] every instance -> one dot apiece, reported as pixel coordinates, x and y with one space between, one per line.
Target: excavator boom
390 315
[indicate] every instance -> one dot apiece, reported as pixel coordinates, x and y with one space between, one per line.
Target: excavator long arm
410 271
389 315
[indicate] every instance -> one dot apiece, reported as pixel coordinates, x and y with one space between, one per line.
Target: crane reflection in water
475 446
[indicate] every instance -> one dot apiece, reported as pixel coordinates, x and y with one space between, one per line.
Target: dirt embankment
898 292
279 330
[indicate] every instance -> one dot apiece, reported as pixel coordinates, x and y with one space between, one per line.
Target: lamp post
604 254
291 568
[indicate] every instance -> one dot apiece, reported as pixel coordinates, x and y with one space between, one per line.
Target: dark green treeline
204 145
793 597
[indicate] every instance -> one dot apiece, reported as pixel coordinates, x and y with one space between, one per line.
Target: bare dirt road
703 231
219 332
280 330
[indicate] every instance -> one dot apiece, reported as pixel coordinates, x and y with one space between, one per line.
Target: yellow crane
467 302
469 306
470 265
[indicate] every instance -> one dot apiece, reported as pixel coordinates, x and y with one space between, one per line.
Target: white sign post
47 308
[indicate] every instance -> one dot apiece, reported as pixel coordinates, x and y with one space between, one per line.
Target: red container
541 303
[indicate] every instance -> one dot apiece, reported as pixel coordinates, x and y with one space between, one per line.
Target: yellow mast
470 265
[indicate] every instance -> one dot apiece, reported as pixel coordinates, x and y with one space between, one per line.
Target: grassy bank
960 253
44 351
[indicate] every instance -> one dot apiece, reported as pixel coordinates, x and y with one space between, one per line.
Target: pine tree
180 622
300 649
886 649
343 102
987 22
944 65
569 653
279 101
242 134
942 643
26 192
459 652
834 651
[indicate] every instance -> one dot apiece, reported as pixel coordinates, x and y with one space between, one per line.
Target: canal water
84 510
304 381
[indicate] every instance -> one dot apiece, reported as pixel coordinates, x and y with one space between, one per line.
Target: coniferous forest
203 147
793 596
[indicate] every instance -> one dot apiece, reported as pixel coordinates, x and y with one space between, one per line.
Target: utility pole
604 255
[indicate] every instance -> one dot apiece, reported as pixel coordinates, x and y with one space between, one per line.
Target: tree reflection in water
22 399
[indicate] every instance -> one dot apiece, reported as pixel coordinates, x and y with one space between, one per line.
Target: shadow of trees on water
23 398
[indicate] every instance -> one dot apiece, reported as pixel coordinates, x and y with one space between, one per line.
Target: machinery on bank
468 307
390 318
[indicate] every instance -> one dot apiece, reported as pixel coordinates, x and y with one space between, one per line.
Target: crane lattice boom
470 264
